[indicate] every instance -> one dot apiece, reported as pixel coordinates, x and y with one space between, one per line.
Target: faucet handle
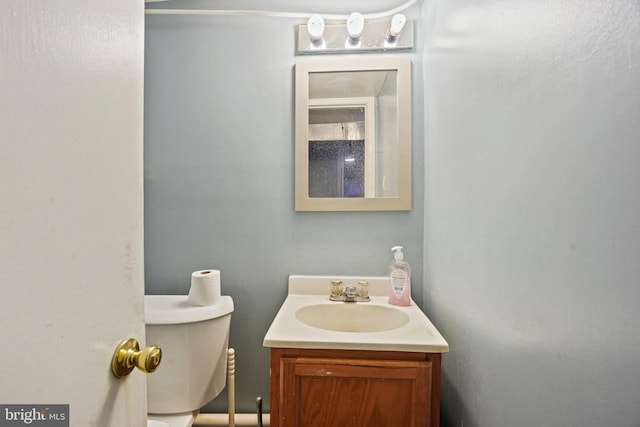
336 289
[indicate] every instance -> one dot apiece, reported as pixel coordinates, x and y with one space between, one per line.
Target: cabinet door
319 392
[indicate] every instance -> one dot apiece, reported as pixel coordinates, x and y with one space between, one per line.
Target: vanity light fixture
351 36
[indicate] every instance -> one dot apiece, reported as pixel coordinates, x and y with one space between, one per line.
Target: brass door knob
128 356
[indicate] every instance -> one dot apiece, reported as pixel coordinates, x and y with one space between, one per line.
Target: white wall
532 201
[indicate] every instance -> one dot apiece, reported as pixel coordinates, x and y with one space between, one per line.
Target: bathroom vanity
360 364
328 388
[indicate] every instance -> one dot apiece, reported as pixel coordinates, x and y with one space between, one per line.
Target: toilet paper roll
205 288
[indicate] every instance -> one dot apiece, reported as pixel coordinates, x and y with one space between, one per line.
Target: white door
71 231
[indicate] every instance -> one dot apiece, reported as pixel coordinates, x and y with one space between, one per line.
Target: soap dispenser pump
399 279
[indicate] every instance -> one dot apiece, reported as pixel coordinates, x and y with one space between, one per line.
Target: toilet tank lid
173 309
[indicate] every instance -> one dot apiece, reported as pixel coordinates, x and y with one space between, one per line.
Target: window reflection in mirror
352 144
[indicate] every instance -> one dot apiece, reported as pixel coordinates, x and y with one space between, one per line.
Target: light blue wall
219 174
532 218
530 208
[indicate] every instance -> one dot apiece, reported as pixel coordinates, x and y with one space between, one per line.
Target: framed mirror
353 133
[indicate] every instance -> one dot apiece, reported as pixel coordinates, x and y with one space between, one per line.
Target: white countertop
418 335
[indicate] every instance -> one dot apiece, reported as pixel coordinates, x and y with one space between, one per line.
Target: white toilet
193 370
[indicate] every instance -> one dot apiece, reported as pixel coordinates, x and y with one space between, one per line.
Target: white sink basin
307 319
352 317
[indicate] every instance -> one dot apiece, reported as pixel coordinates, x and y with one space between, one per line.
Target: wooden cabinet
335 388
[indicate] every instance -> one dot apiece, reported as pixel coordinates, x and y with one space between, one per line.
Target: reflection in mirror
353 136
337 144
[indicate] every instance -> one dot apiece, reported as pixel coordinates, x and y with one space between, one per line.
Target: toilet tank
194 342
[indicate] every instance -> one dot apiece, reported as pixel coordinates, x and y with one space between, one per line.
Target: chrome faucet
348 293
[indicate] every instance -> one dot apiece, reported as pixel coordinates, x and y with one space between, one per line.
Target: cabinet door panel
319 392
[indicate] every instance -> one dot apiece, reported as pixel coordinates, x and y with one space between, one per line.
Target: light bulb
355 25
395 28
315 26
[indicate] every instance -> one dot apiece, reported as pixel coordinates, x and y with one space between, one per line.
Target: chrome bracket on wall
336 39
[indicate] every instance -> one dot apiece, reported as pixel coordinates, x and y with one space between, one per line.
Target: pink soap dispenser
399 279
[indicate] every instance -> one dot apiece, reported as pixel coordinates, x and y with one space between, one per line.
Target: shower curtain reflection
336 168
